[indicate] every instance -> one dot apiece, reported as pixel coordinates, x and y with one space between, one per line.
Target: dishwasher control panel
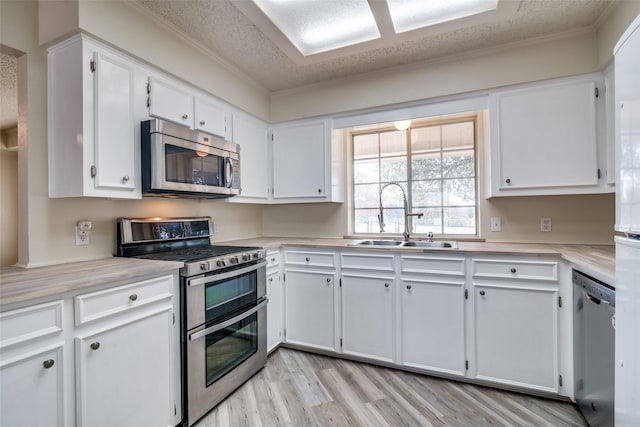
595 288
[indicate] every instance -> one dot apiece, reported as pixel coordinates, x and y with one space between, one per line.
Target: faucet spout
406 235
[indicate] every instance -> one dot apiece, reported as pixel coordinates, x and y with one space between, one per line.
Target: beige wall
8 207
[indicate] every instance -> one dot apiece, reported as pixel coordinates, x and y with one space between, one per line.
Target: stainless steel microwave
180 162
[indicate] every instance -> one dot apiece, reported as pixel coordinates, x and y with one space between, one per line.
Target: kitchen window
433 161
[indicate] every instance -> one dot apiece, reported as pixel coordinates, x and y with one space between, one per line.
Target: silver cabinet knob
94 345
409 287
482 293
185 116
202 123
513 269
270 279
273 260
319 190
133 297
508 180
328 280
386 285
48 363
125 178
307 259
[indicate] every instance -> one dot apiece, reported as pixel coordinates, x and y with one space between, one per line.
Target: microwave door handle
223 276
229 322
229 179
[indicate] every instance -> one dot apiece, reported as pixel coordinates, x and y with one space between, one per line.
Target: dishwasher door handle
592 298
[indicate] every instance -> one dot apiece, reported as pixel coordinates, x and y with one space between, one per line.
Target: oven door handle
217 277
227 323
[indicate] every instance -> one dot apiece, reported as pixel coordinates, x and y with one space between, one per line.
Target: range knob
205 266
256 255
234 260
221 263
246 257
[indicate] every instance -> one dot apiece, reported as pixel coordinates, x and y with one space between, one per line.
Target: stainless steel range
223 304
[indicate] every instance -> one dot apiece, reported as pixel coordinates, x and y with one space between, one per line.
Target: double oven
222 303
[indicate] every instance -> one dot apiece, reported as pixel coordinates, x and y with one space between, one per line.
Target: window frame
473 117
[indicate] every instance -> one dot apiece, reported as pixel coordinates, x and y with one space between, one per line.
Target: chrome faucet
407 214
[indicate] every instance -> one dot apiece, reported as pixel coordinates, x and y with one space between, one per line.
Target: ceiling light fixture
201 154
402 124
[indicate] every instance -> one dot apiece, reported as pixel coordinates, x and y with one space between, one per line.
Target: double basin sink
406 244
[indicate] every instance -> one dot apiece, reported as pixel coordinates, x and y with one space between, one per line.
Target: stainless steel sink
435 245
410 243
377 243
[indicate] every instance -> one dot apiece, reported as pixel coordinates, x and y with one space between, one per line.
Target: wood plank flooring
302 389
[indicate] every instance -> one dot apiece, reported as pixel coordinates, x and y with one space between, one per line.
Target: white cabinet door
170 102
274 311
367 317
31 392
516 336
300 161
544 139
309 309
211 118
96 98
124 375
251 134
114 127
433 325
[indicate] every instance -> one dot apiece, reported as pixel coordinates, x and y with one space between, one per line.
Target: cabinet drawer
368 261
315 259
433 265
97 305
515 269
273 259
26 324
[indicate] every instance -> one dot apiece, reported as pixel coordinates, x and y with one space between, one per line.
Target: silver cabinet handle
202 122
48 363
125 178
482 293
227 323
409 287
386 285
185 116
513 269
94 345
133 297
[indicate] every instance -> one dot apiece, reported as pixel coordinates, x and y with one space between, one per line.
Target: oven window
231 346
193 167
223 297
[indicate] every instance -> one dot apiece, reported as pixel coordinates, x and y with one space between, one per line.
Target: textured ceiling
222 28
8 91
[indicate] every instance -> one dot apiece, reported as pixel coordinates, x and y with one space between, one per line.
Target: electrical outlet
545 224
496 223
81 238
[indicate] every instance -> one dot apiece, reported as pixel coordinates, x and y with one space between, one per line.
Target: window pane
393 169
459 192
393 220
426 193
460 220
457 135
425 166
430 221
366 221
393 143
392 196
458 164
426 139
365 146
365 196
365 171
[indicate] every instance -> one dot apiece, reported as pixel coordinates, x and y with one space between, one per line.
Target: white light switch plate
496 223
545 224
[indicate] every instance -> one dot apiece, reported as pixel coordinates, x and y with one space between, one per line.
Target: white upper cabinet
251 134
178 103
94 121
545 138
304 163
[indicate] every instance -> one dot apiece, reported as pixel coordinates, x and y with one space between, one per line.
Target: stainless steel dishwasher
594 348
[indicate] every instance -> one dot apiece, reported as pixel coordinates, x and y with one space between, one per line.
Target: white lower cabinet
274 310
123 373
310 308
31 391
367 316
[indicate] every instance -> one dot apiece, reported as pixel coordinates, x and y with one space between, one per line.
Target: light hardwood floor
303 389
